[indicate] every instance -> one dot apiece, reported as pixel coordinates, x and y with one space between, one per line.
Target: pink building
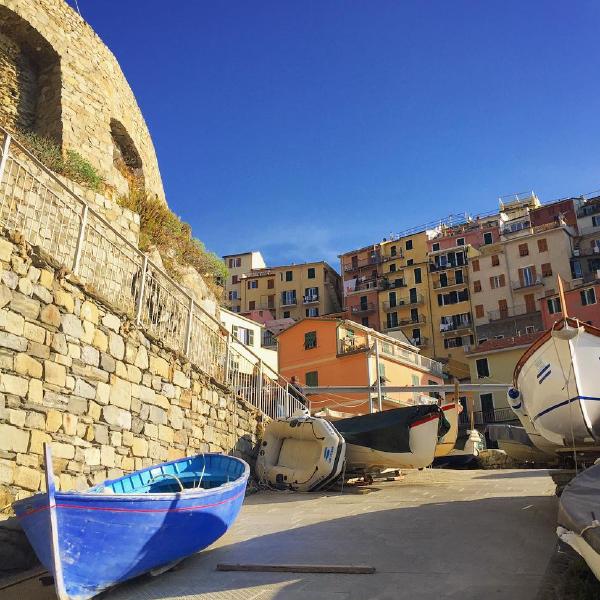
583 303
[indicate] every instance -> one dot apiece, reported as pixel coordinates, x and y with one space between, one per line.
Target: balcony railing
367 285
408 356
526 285
508 312
588 210
312 299
421 342
402 302
452 327
420 320
595 251
451 282
289 302
351 344
436 268
365 262
391 285
498 415
358 309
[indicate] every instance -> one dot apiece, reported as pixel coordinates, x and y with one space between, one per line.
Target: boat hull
446 443
558 388
99 540
517 444
387 440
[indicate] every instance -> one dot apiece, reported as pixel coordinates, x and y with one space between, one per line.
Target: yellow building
292 291
404 299
494 361
238 265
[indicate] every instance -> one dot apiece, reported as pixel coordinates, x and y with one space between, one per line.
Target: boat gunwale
191 493
558 325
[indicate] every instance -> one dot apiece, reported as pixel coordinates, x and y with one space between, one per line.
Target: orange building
340 352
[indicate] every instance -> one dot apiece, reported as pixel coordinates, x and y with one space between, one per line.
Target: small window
487 238
409 244
530 329
270 284
233 295
523 250
475 264
418 278
546 270
289 275
286 314
435 247
365 321
479 312
311 273
392 268
460 242
253 284
235 279
409 262
310 340
483 369
495 260
588 296
311 379
313 311
477 285
542 245
393 251
252 305
553 305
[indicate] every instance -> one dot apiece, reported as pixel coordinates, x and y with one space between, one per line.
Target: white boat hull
559 388
423 441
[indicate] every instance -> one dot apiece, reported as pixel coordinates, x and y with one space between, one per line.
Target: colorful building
238 265
583 303
292 291
585 260
340 352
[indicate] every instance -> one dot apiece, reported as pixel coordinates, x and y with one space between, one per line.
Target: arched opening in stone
30 79
126 158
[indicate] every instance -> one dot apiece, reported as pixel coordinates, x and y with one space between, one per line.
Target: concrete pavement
436 534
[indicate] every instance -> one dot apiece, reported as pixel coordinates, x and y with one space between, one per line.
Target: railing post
259 386
5 149
188 329
80 239
140 302
227 357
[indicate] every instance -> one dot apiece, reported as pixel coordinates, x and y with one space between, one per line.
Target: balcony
363 309
392 285
410 357
451 282
421 320
483 417
312 299
587 210
446 328
436 268
508 312
288 302
367 285
403 302
422 342
365 262
595 251
517 286
349 345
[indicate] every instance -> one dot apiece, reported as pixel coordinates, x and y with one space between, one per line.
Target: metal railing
498 415
34 202
518 285
410 357
401 302
509 311
362 308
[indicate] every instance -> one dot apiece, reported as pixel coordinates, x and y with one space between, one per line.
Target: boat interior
205 471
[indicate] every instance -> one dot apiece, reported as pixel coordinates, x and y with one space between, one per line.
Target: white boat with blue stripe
557 384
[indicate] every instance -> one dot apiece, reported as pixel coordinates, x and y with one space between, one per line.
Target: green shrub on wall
70 164
172 237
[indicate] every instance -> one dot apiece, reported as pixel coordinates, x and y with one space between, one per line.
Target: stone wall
59 79
75 373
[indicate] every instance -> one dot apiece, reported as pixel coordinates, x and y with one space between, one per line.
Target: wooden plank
341 569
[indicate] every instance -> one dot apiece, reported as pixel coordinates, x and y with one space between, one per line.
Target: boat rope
593 525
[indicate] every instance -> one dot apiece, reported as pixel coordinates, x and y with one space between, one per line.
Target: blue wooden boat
125 527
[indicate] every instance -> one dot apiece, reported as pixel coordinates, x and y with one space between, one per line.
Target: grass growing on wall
70 164
163 229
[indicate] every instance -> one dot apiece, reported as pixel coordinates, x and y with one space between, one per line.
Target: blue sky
306 129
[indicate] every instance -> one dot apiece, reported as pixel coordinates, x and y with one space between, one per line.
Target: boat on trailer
301 453
578 523
397 438
122 528
514 440
469 443
555 385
